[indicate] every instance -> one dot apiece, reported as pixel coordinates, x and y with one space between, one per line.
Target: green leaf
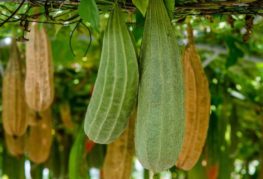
141 5
234 51
62 54
76 158
88 11
170 4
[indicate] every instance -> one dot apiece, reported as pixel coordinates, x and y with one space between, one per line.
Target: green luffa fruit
160 119
116 86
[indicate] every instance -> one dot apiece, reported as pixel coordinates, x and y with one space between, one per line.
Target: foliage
234 69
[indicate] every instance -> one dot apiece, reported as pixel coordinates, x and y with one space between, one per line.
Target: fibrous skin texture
39 85
15 145
118 161
160 120
116 86
14 105
197 105
39 139
33 117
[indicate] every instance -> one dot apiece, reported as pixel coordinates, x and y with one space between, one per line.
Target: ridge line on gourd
160 119
14 117
197 104
116 86
39 82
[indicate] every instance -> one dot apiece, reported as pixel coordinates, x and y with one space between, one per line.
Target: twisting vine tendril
12 15
71 36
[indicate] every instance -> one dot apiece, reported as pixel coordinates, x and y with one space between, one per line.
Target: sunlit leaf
88 11
141 5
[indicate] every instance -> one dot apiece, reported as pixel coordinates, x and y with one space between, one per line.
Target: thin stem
17 9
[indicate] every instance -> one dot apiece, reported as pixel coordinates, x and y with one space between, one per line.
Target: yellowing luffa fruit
39 84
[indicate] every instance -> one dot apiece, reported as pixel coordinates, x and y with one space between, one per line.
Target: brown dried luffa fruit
15 145
197 105
33 117
39 85
14 105
39 139
118 162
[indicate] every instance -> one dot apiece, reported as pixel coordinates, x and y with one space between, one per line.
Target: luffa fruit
197 105
118 161
14 105
39 85
15 145
160 120
115 90
39 140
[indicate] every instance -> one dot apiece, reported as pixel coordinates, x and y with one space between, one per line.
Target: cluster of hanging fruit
28 92
155 104
169 93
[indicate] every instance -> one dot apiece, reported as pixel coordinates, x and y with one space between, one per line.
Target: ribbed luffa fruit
15 145
14 105
39 85
160 120
116 85
33 117
118 161
197 105
39 139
